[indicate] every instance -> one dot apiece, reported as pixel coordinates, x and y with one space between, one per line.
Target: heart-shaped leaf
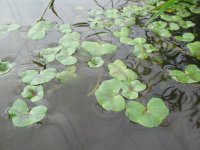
22 116
187 37
65 28
174 26
5 67
124 32
141 49
33 77
130 89
126 40
150 116
98 49
108 95
34 93
194 49
67 75
159 27
65 58
186 24
96 62
191 74
119 71
38 31
49 54
70 40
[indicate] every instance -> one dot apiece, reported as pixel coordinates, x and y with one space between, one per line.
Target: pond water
74 120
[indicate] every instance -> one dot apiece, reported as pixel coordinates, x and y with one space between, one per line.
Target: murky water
75 121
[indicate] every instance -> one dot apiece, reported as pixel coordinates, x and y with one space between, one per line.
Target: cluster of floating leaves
125 87
112 96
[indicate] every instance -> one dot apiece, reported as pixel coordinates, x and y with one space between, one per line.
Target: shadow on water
75 121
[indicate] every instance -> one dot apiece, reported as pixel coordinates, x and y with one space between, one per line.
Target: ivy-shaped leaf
65 58
150 116
33 77
130 90
108 95
187 37
65 28
191 74
49 54
34 93
70 40
119 71
98 49
38 31
159 27
124 32
21 115
141 49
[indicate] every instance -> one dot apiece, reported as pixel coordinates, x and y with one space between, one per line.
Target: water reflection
75 121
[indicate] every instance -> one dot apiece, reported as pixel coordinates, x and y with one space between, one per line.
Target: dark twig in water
96 34
50 5
98 4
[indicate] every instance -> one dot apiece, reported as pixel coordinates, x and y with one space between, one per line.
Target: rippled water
75 121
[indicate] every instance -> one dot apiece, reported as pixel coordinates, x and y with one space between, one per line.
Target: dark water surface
75 121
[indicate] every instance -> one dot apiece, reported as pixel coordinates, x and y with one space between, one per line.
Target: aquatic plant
190 75
38 31
22 116
126 83
33 77
5 67
150 116
34 93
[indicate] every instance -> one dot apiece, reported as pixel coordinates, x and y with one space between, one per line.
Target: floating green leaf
126 40
186 24
194 49
108 95
70 40
141 49
5 67
98 49
159 27
8 28
111 13
33 77
67 75
65 58
65 28
49 54
150 116
195 9
22 116
124 32
191 74
119 71
96 62
174 26
130 89
34 93
38 31
187 37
